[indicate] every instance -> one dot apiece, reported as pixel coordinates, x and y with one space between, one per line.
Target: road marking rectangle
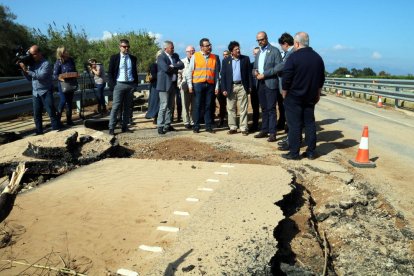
126 272
155 249
212 180
181 213
205 189
192 199
221 173
168 229
227 166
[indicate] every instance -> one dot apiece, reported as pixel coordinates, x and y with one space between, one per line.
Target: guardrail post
397 89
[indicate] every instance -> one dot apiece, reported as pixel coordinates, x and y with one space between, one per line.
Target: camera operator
40 74
98 72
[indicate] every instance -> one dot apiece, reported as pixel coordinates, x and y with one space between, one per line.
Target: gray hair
302 38
167 43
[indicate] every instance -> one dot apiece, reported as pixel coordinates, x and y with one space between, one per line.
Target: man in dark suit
236 83
168 65
122 79
267 85
302 82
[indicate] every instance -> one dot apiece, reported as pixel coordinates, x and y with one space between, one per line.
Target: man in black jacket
236 83
122 79
302 82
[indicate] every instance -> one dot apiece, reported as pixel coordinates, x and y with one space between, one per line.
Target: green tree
355 72
368 72
341 71
12 35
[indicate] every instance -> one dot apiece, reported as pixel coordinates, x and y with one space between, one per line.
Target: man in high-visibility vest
202 78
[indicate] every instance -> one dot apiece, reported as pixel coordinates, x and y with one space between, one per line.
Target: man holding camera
39 72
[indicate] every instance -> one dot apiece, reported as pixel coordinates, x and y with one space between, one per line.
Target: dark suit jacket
166 72
227 74
114 69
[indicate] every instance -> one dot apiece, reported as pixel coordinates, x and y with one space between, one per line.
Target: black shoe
70 123
161 131
210 130
125 129
253 128
187 126
289 156
261 135
245 132
232 131
38 133
169 128
272 138
285 141
196 130
283 148
111 132
309 155
220 124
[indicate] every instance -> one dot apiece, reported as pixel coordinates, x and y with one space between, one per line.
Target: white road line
155 249
212 180
369 112
221 173
227 166
192 199
126 272
205 189
168 229
181 213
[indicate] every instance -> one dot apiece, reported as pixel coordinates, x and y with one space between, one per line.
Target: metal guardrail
398 90
16 106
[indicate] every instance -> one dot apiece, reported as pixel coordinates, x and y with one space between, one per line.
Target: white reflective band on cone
364 143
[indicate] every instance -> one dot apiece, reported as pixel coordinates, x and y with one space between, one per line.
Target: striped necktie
125 68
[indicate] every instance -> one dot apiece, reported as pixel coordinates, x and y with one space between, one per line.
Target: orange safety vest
204 70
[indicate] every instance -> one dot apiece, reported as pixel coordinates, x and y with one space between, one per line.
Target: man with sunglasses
122 79
203 76
265 70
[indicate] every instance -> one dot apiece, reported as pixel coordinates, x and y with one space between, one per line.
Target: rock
321 217
346 204
188 268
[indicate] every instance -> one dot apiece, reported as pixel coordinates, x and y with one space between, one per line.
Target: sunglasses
125 46
259 40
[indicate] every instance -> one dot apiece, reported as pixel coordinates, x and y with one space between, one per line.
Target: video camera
23 56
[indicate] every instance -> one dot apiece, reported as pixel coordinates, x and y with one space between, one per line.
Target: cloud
376 55
107 35
157 36
339 47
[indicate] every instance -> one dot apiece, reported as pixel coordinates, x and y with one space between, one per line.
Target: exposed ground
336 222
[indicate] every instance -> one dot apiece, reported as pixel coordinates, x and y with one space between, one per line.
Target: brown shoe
261 135
232 131
245 133
272 138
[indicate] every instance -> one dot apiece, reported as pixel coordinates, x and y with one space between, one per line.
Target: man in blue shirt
40 74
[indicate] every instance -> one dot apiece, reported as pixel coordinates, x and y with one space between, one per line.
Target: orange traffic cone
362 158
379 103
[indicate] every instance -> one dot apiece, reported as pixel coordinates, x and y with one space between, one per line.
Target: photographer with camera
39 72
98 72
65 71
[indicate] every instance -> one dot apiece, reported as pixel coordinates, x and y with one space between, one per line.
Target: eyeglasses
209 45
125 46
191 51
259 40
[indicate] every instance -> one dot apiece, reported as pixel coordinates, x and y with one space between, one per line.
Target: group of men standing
293 81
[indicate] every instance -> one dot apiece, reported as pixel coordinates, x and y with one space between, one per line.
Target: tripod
85 76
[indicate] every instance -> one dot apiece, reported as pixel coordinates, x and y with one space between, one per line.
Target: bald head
302 39
189 51
35 52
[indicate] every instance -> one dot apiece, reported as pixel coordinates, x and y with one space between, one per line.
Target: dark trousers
299 114
203 94
44 101
268 99
282 118
178 103
122 101
254 101
222 100
65 99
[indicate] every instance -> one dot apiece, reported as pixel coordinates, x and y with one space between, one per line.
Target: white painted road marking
227 166
168 229
205 189
155 249
126 272
181 213
192 199
221 173
212 180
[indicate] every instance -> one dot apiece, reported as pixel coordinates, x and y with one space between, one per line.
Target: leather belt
237 82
